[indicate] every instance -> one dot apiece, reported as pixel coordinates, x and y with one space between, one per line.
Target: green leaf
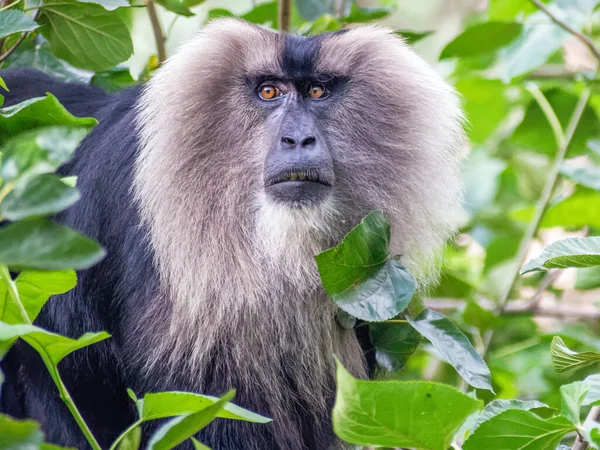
324 23
109 4
569 252
395 343
586 176
517 429
132 440
86 35
482 38
181 428
19 434
398 414
572 396
35 288
43 195
42 244
218 12
38 112
113 80
363 15
509 9
410 36
479 317
576 211
3 85
453 347
177 6
14 21
565 359
588 278
361 278
497 407
265 13
593 395
199 445
312 9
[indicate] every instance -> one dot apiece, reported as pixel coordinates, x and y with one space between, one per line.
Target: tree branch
542 204
159 36
582 37
284 15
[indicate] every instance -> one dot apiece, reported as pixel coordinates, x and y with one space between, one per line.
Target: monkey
212 187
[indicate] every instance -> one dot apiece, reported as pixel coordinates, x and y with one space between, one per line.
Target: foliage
526 71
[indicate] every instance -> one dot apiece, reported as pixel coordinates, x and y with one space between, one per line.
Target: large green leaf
417 414
482 38
35 288
19 434
569 252
497 407
42 195
37 112
86 35
42 244
573 396
454 347
565 359
181 428
14 21
361 278
518 429
395 343
579 210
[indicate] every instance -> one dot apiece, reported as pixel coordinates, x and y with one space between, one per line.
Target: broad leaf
361 278
37 112
569 252
417 414
86 35
14 21
454 347
42 195
181 428
394 343
19 434
565 359
578 210
482 38
517 429
42 244
593 394
177 6
573 396
497 407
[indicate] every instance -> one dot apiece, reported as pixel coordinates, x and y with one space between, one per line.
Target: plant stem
284 15
6 6
14 293
542 204
582 37
546 107
580 443
159 36
134 425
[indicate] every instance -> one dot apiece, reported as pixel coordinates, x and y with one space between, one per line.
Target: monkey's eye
318 91
269 92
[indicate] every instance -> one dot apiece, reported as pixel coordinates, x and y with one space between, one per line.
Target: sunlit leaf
572 396
19 434
569 252
417 414
565 359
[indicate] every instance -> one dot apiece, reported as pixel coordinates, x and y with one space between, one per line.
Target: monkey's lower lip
298 193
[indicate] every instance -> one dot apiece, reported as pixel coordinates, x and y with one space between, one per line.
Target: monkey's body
209 281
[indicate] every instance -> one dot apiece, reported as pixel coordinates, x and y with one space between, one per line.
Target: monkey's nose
290 142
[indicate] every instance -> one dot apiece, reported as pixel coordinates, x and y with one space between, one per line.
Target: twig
159 37
582 37
542 205
20 40
580 442
284 15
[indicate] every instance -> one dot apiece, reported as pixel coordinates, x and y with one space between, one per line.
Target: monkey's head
294 139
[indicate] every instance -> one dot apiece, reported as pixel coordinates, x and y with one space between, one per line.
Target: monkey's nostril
308 141
288 141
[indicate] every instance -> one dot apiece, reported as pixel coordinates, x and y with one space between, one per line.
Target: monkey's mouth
308 175
299 188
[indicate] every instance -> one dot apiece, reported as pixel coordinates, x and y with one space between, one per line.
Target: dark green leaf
362 15
265 13
37 112
569 252
398 414
565 359
482 38
395 343
410 36
453 347
19 434
360 277
113 80
181 428
42 244
42 195
14 21
572 396
86 35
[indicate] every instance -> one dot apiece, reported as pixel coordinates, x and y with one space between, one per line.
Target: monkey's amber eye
317 91
269 92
